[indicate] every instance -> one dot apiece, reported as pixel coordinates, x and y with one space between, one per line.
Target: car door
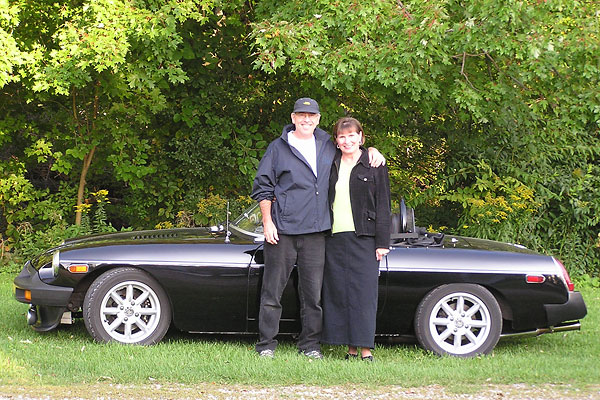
206 284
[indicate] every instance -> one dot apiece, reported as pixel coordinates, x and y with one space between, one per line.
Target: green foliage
586 281
11 57
17 195
94 211
210 211
213 209
32 240
494 207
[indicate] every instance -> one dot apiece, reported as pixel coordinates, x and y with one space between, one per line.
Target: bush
210 210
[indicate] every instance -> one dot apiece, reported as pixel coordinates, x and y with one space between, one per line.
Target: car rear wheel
462 320
126 305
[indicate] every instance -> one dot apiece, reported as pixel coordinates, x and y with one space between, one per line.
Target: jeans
307 252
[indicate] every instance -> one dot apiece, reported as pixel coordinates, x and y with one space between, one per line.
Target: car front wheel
462 320
126 305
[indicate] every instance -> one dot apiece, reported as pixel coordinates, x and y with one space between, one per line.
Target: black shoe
350 356
368 358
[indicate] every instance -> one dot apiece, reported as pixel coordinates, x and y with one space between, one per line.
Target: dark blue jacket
301 199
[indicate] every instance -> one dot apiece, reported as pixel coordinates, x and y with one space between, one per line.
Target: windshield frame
248 225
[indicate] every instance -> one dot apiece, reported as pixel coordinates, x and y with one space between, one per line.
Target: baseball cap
306 105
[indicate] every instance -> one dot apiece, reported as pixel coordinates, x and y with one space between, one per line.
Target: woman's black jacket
369 198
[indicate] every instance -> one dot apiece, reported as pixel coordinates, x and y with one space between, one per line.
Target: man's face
305 122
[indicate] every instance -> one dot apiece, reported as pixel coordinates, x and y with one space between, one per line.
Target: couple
313 196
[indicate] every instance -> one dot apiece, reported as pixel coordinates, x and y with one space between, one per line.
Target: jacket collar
320 134
364 157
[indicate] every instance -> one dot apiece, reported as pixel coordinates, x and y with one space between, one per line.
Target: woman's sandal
367 358
350 356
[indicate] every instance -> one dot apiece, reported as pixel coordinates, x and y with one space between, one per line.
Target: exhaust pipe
32 315
571 326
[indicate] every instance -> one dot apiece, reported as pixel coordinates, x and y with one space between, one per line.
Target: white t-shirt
306 147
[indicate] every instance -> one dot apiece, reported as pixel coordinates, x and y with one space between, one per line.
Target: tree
112 60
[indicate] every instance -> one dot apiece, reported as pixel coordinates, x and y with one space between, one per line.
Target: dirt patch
211 391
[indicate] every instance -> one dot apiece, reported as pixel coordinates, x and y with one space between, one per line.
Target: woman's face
349 141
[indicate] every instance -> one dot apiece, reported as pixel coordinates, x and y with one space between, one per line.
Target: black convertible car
456 295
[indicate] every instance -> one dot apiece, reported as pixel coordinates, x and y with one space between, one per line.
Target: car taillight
566 277
535 279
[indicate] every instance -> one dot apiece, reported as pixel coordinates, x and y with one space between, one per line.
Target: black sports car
456 295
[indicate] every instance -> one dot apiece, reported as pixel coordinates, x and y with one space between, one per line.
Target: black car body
456 295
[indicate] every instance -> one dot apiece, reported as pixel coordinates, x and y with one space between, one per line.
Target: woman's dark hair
348 123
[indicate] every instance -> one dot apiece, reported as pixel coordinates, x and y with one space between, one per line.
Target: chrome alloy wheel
460 323
130 312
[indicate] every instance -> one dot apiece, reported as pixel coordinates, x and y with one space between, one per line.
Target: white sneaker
314 354
268 353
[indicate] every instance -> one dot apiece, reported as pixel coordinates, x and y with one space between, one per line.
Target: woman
359 198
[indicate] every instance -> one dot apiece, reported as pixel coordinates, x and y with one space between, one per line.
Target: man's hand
269 228
270 232
376 159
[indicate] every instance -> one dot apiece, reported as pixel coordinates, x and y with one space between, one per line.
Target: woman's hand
379 253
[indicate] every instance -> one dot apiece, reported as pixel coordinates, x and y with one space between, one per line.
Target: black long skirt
349 296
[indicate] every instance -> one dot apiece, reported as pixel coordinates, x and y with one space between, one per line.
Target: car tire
128 306
442 328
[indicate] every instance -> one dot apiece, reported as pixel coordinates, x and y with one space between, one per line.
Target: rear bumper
572 310
561 318
48 302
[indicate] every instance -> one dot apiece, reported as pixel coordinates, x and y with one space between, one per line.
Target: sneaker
268 353
314 354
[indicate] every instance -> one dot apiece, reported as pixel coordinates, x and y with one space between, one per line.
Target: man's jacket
300 199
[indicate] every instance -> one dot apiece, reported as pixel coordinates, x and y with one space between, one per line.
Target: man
291 186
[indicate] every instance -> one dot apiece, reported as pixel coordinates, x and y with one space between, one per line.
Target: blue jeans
307 252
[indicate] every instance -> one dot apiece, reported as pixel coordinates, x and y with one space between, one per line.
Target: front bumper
48 302
572 310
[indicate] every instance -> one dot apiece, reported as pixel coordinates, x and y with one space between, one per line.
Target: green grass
68 355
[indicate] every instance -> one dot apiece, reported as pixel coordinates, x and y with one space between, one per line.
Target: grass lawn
67 358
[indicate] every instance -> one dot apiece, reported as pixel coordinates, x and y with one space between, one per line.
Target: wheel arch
76 300
505 307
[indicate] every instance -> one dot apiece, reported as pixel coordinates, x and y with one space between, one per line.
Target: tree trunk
87 160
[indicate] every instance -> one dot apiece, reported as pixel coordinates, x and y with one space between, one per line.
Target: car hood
174 236
150 236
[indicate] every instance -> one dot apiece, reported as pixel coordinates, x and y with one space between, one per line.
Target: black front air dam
41 293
